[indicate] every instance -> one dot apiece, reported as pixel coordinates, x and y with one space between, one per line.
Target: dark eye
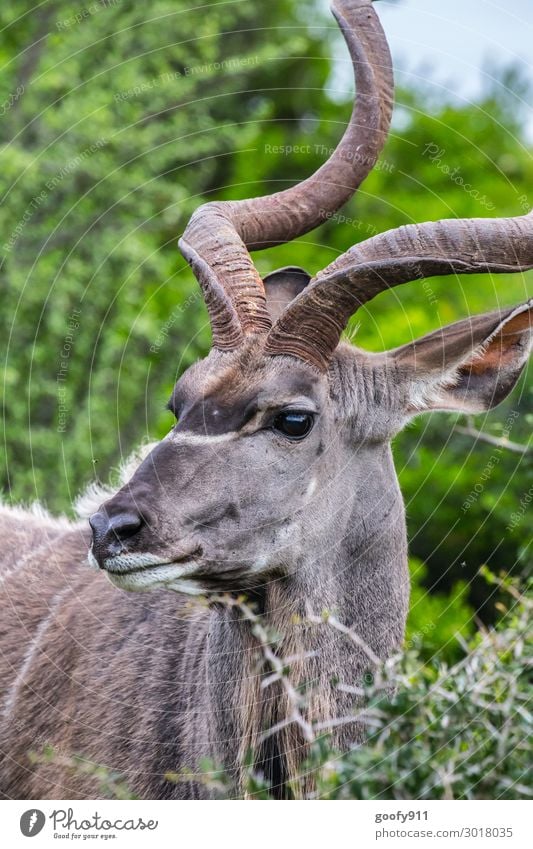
292 424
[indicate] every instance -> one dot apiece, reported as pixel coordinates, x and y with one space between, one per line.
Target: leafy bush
460 731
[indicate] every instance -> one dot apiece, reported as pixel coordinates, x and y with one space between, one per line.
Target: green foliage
127 118
437 621
461 496
114 128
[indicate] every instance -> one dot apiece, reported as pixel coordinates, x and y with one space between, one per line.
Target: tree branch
498 441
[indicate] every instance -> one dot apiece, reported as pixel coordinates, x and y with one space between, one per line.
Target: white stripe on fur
31 651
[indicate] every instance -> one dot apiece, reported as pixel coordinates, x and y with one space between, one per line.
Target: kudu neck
360 576
353 567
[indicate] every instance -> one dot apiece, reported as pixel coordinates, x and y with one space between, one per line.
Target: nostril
98 523
112 533
125 525
120 527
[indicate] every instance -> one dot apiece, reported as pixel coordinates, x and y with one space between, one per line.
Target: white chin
171 576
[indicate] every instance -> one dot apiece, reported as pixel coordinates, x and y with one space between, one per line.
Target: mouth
142 572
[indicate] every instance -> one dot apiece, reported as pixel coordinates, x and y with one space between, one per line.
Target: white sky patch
451 45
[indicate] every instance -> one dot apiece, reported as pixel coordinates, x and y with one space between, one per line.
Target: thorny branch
279 672
497 441
280 668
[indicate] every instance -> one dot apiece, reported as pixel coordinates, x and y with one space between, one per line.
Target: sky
452 40
453 45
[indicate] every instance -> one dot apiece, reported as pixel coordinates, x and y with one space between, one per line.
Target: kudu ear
282 286
469 366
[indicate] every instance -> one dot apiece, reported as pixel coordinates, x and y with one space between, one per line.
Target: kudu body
277 482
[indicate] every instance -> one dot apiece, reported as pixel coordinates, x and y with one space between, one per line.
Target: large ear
469 366
282 286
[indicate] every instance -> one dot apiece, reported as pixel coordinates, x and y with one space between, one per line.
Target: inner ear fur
469 366
282 287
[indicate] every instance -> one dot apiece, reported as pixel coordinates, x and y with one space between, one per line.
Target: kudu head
282 434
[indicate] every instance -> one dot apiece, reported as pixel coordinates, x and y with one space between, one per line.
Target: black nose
111 532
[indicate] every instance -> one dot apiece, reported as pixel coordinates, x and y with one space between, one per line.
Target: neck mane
364 586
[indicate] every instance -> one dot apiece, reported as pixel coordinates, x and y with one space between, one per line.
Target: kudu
277 482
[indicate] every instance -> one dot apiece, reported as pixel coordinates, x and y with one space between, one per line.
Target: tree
117 119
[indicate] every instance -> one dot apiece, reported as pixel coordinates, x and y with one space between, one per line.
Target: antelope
276 483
